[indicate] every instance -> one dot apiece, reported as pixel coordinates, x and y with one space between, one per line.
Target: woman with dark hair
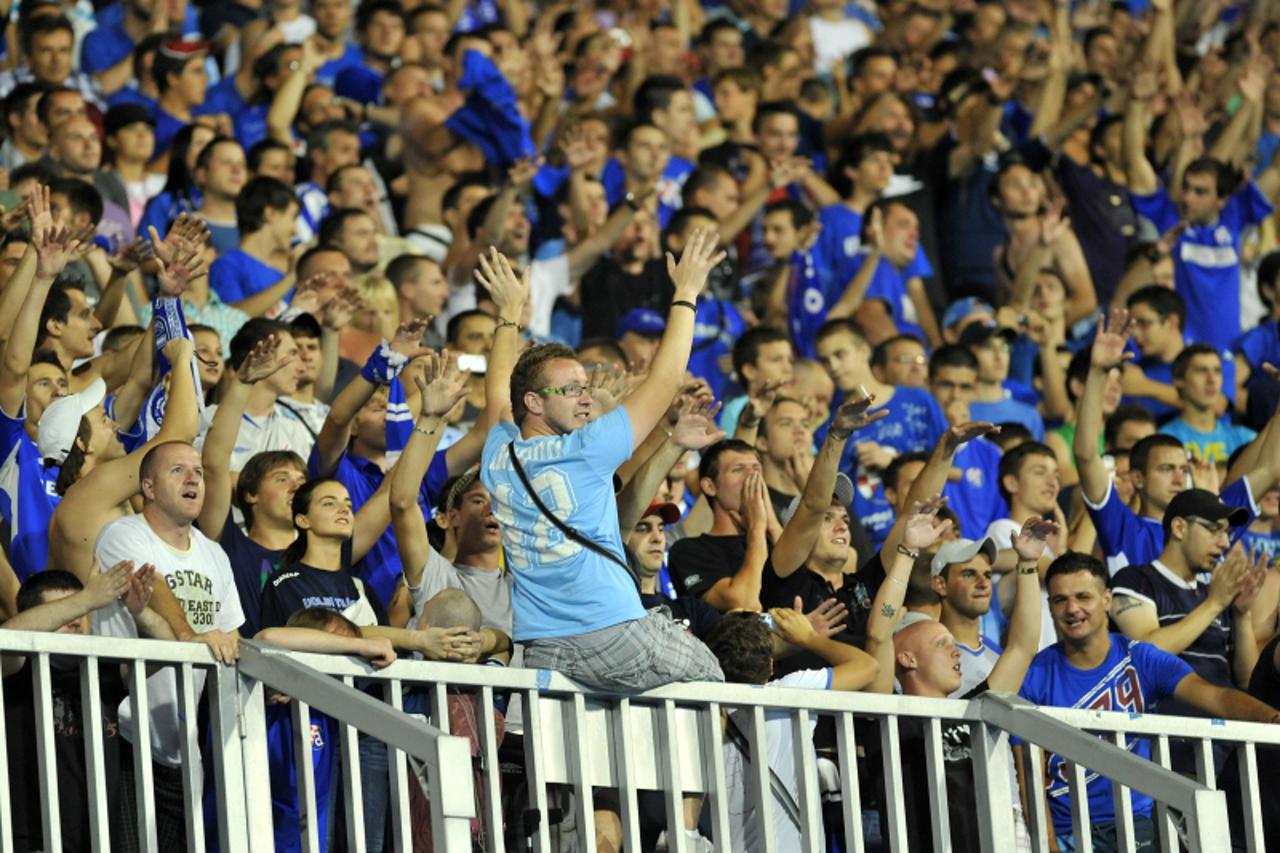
180 194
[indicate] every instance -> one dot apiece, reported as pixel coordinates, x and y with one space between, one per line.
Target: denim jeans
1105 841
376 791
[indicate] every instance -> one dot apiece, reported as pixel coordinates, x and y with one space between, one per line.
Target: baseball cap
183 49
642 321
1201 504
961 551
60 422
123 115
843 494
962 308
668 512
981 332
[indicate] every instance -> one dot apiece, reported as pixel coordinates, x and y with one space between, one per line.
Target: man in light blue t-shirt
1197 374
576 608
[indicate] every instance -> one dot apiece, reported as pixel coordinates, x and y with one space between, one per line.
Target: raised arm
439 389
920 530
1142 177
383 365
262 362
798 537
1107 354
695 429
1024 622
583 256
51 248
378 651
933 477
288 100
510 292
648 402
851 300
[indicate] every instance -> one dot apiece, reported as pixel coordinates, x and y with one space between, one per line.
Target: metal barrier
667 740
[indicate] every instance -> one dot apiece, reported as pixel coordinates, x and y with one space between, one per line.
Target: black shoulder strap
554 519
780 791
297 414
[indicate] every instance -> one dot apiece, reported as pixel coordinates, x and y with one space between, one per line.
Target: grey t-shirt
490 589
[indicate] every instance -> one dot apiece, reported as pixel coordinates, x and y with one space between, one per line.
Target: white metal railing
668 740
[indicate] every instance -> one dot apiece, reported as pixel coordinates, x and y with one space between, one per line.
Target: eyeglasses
565 390
910 359
1220 528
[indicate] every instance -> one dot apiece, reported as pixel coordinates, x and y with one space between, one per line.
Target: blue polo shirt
27 496
1261 345
359 83
668 188
1207 261
976 498
841 241
237 275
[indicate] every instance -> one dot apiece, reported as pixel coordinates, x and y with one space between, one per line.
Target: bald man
927 663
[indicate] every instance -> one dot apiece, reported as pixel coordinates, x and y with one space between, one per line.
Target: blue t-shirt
841 242
976 498
1135 677
359 83
286 812
668 187
561 588
914 423
107 44
716 325
327 74
380 568
1009 411
1162 372
237 275
225 238
1263 543
809 298
27 497
1261 345
1207 261
890 287
1128 539
1215 446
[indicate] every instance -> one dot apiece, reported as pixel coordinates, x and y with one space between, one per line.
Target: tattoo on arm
888 610
1126 602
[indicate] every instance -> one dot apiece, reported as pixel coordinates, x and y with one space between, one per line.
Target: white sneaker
693 843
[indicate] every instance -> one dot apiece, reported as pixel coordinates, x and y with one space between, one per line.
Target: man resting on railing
1089 667
576 608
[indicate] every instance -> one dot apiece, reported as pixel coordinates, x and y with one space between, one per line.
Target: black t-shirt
251 565
609 292
1173 598
957 759
298 586
68 739
856 592
697 563
697 617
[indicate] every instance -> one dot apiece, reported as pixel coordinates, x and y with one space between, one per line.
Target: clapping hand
141 585
101 588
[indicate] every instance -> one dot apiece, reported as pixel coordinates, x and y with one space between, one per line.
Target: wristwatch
630 201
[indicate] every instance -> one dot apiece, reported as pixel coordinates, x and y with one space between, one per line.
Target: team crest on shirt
317 737
1222 235
973 476
813 301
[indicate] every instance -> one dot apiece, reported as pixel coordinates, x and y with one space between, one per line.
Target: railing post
233 770
991 765
1208 829
452 804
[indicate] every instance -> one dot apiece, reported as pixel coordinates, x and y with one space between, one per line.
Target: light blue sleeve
605 443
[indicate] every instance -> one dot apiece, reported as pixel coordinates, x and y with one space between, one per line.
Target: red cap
669 513
183 49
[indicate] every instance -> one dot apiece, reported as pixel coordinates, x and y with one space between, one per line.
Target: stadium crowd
924 346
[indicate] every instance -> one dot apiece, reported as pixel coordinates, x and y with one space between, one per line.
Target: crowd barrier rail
667 740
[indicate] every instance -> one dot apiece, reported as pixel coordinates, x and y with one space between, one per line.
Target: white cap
60 422
961 551
842 494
